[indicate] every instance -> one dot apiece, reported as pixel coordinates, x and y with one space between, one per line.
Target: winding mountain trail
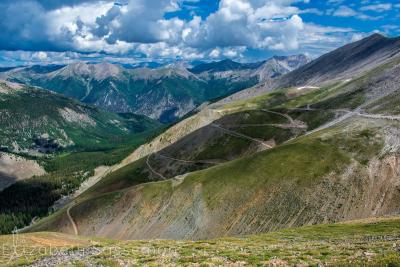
284 126
331 123
186 161
174 159
240 135
348 114
72 220
378 116
308 108
153 170
291 122
290 119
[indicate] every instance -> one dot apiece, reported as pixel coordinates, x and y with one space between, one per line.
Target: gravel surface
69 257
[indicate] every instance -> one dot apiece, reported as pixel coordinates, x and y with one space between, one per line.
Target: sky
132 31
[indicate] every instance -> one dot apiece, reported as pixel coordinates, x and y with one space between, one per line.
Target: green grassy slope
204 148
24 200
67 138
373 242
35 120
341 172
201 149
166 94
234 198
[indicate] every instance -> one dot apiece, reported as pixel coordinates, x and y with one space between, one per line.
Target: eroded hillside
304 154
296 156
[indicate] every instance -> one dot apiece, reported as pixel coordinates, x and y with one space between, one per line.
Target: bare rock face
98 72
72 116
9 87
14 168
278 66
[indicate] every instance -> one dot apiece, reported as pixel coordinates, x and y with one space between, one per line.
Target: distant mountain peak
293 61
164 72
166 93
106 70
227 60
377 36
279 65
180 65
79 68
99 71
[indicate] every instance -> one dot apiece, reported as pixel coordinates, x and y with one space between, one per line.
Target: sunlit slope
339 173
33 121
57 143
372 242
366 90
292 157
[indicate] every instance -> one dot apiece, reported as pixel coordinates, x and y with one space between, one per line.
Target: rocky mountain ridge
344 63
166 93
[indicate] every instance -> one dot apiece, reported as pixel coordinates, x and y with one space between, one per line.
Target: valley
297 168
166 94
63 141
244 144
51 144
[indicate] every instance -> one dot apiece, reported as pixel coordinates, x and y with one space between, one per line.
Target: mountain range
166 93
35 121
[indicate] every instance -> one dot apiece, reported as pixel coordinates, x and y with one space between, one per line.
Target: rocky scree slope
341 64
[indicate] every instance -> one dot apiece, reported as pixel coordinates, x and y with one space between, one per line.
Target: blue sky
131 31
